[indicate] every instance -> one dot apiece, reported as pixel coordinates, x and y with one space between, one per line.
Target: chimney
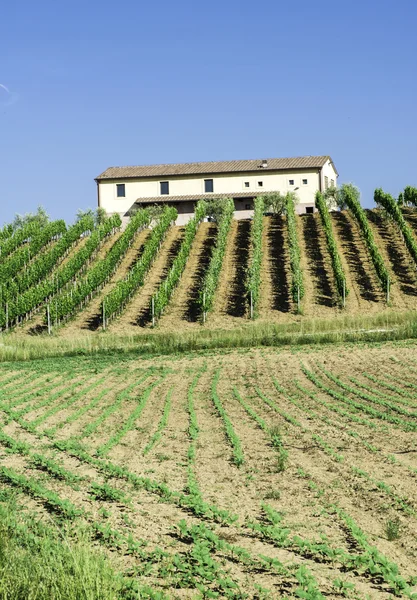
264 163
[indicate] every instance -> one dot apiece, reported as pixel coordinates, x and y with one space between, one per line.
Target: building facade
120 189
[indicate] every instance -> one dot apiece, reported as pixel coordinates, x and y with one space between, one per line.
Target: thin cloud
7 98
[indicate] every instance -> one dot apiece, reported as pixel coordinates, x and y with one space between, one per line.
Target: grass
389 325
37 562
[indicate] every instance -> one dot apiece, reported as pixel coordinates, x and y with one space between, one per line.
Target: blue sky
94 84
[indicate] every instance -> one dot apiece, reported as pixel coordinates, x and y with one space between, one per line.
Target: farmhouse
122 188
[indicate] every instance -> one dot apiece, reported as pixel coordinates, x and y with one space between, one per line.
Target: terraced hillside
255 474
147 276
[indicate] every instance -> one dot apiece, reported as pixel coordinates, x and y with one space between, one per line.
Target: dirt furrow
319 270
397 260
231 296
138 313
184 305
364 282
91 318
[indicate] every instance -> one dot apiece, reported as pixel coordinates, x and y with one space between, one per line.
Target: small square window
246 184
309 210
260 183
291 181
326 182
305 181
208 186
164 185
120 190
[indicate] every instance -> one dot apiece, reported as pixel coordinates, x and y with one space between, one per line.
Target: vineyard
221 274
251 474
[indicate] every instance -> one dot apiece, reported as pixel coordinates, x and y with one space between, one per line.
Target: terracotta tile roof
206 168
196 197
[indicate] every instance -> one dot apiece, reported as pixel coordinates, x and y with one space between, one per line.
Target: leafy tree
99 215
215 208
40 216
410 195
276 202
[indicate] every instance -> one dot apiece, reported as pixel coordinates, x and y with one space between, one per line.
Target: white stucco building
182 185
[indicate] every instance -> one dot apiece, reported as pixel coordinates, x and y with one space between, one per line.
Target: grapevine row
331 245
24 254
23 305
43 265
114 302
20 236
167 287
211 278
253 282
66 304
297 284
368 236
392 208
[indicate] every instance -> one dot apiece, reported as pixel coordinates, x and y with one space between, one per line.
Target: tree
337 197
214 208
99 215
276 202
41 217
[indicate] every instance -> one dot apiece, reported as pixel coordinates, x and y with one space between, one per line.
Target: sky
88 85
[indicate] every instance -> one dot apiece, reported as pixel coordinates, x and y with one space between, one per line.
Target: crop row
19 259
173 277
66 304
253 282
21 235
22 305
297 284
211 279
42 265
368 236
390 205
332 246
114 302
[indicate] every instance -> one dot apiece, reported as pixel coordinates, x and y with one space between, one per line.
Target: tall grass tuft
37 562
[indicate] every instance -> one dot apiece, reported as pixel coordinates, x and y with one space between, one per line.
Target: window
208 185
331 182
260 183
120 190
291 181
326 182
309 210
164 188
246 183
305 181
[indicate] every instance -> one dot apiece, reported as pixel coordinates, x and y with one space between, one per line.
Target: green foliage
23 304
234 440
394 211
171 281
332 246
20 258
392 529
410 195
253 282
275 202
121 294
351 198
39 219
216 207
43 563
223 214
66 304
297 283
